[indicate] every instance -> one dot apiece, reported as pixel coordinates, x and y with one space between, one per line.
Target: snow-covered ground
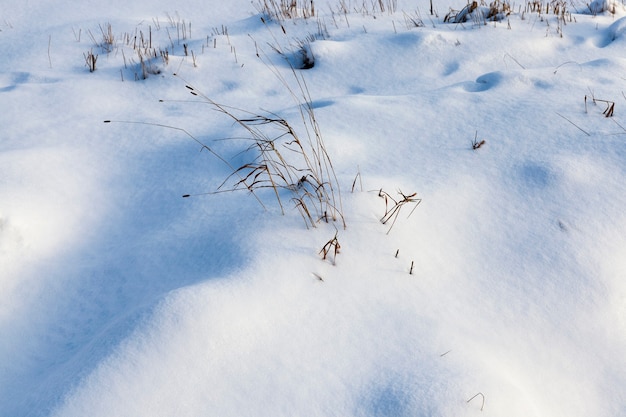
503 293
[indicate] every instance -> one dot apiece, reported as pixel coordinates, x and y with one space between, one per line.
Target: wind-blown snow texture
119 297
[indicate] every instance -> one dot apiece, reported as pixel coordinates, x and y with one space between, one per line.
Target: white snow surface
503 293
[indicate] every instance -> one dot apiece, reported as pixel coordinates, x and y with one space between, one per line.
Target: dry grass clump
366 7
293 163
495 11
596 7
610 105
558 8
138 48
393 206
499 10
286 9
413 20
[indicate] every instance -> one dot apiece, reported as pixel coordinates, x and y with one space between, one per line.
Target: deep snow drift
502 293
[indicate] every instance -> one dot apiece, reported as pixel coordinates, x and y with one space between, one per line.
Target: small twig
49 42
622 127
610 106
90 60
332 244
577 127
515 60
476 144
358 176
482 395
565 63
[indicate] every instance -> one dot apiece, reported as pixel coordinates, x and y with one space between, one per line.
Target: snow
502 293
